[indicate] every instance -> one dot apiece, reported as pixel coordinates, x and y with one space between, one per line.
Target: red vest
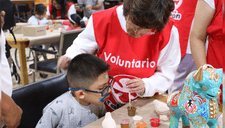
68 4
128 57
183 15
215 52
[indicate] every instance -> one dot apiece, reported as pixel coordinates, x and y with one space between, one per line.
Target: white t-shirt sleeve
71 10
211 3
48 12
84 43
169 59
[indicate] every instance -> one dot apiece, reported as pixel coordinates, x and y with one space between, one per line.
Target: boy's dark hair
40 9
84 69
75 18
63 9
149 13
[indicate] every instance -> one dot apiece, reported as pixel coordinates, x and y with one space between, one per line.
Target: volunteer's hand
12 118
63 62
136 85
89 7
2 18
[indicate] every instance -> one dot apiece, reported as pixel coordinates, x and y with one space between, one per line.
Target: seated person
74 22
88 81
39 15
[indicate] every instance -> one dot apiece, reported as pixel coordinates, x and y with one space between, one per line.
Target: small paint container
137 119
154 122
131 110
124 123
141 125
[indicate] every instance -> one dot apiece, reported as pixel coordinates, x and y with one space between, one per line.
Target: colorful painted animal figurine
197 102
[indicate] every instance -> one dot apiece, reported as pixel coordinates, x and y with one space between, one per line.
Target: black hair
63 8
77 19
40 9
84 69
149 13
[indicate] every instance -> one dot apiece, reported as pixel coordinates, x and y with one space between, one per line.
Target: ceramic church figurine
108 122
197 102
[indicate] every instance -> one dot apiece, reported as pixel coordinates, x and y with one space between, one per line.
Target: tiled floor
30 76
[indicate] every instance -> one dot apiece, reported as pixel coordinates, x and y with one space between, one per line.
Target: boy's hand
2 18
136 85
89 7
63 62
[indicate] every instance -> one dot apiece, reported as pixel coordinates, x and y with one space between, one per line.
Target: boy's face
100 83
40 17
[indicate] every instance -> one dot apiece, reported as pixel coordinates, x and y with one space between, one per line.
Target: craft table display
29 41
145 109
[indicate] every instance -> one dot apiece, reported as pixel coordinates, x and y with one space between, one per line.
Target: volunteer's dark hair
40 9
76 18
149 13
63 8
84 69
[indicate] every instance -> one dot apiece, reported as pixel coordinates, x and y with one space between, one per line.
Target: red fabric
66 22
215 52
183 15
129 58
70 28
68 4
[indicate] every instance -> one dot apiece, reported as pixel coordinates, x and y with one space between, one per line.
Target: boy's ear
80 94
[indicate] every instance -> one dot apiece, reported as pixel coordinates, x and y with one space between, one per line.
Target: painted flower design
190 107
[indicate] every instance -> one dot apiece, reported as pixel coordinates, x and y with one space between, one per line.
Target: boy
88 81
39 15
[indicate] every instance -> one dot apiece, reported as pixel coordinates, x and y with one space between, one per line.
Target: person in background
208 21
60 9
139 41
89 6
39 15
74 22
88 84
183 14
10 112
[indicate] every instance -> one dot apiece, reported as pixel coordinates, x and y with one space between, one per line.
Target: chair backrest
67 38
33 97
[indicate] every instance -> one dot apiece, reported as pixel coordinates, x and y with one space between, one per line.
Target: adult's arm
203 16
169 59
48 13
95 7
84 43
11 113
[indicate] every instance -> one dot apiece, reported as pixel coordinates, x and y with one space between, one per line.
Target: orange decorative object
143 125
51 30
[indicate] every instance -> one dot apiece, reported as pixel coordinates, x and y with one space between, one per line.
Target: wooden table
145 109
29 41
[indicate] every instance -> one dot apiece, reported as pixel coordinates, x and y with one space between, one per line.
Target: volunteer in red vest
183 14
208 21
60 9
139 41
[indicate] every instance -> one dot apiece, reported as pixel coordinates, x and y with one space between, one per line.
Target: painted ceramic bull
197 102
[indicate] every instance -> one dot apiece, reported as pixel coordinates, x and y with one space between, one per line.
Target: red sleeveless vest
128 57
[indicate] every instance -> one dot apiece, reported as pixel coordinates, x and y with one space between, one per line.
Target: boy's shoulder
60 103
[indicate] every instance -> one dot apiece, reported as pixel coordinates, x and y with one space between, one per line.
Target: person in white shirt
139 42
10 112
